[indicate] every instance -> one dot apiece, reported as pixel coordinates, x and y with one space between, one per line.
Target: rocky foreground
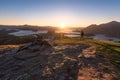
40 61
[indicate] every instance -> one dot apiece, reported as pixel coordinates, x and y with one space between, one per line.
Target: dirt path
94 68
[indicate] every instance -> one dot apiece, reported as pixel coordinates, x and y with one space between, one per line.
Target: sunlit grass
105 49
3 47
73 41
109 51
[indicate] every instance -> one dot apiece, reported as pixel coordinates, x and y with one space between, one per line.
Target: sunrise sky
75 13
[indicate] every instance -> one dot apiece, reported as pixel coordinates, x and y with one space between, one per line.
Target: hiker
82 34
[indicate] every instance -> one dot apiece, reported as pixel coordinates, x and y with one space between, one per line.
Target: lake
98 37
30 32
68 33
103 37
27 32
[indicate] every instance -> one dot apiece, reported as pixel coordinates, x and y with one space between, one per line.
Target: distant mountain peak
93 25
110 29
114 22
110 23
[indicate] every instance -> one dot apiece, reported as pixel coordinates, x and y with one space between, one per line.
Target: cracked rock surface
40 61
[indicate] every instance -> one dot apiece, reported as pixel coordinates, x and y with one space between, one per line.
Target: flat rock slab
35 48
41 62
93 67
25 54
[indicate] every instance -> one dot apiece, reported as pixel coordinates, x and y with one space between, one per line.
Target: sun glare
62 25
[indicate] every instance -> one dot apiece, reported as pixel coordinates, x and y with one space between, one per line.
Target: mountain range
111 29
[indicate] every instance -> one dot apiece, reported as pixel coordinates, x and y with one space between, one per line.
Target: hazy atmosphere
59 39
75 13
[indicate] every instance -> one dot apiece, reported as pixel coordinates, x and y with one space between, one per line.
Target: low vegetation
109 51
106 49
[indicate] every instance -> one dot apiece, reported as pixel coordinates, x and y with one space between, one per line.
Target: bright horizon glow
62 25
76 13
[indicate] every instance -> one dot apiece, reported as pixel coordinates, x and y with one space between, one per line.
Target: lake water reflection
103 37
68 33
27 32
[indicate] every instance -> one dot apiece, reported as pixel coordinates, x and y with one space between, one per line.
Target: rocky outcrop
39 60
24 61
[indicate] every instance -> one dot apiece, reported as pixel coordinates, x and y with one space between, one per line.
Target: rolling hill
111 29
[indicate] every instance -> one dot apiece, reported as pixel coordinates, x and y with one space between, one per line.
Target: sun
62 25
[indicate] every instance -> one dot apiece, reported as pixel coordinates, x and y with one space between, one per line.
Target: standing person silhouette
82 34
